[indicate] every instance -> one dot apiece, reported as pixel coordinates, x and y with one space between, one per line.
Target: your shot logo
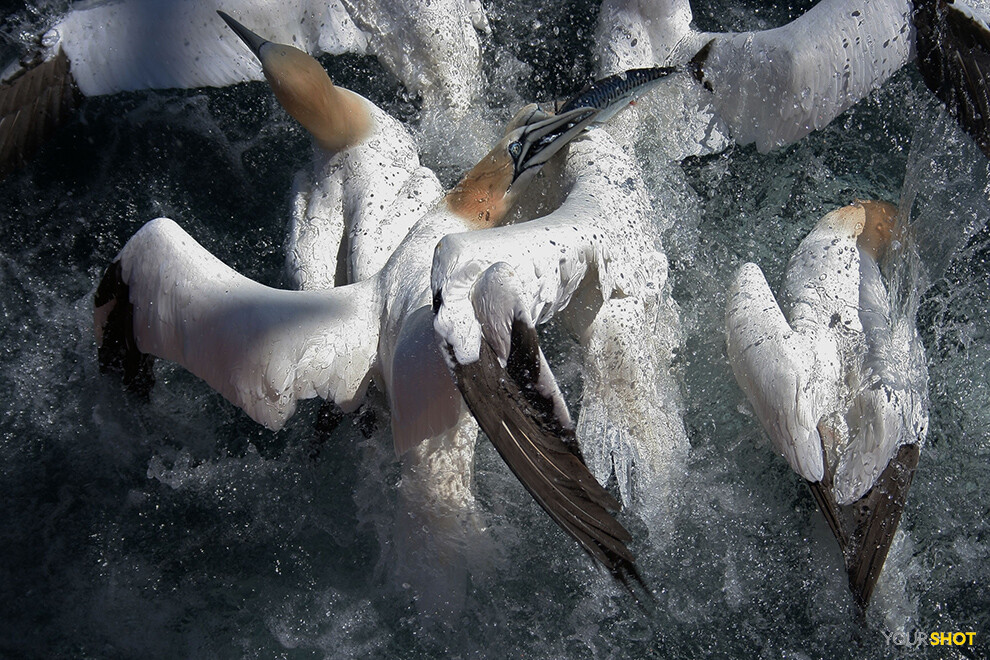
919 638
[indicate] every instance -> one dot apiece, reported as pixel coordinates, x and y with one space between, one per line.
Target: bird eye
515 149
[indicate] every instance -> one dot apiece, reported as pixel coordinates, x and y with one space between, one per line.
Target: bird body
192 309
792 367
593 263
836 376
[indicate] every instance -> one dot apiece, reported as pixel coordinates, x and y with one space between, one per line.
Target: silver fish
613 93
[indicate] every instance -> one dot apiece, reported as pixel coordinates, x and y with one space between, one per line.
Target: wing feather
513 407
874 520
774 366
954 59
32 107
155 44
261 348
773 87
865 528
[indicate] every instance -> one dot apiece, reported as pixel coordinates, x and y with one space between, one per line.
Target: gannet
773 87
366 187
264 349
110 46
838 378
591 261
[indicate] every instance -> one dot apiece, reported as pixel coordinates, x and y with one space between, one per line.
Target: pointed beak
253 41
544 138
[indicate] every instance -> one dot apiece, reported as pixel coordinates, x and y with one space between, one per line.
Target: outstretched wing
262 348
32 107
773 87
124 45
105 47
156 44
521 411
774 366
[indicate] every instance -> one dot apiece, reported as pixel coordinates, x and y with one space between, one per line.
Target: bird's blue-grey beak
539 141
253 41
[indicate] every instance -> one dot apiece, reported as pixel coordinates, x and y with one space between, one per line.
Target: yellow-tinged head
871 222
336 118
878 230
486 193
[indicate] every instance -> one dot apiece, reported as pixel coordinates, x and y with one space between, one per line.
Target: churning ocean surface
179 528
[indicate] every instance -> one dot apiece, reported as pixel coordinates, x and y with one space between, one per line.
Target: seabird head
878 229
532 137
870 222
335 117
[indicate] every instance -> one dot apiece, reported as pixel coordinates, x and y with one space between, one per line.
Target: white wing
157 44
432 47
771 87
775 367
123 45
636 33
776 86
890 408
262 348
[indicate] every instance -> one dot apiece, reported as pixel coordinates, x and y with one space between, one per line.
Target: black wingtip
33 105
541 450
117 350
697 64
865 529
628 576
875 519
954 60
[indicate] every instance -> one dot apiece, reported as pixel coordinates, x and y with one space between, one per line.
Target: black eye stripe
531 145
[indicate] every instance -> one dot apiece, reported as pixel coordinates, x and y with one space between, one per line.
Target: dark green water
179 528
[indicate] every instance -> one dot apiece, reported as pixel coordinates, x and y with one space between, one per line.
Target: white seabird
773 87
366 187
838 378
264 349
592 263
111 46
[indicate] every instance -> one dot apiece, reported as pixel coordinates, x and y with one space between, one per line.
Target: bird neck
347 123
481 198
336 118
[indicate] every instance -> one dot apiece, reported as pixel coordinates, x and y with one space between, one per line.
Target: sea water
176 527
